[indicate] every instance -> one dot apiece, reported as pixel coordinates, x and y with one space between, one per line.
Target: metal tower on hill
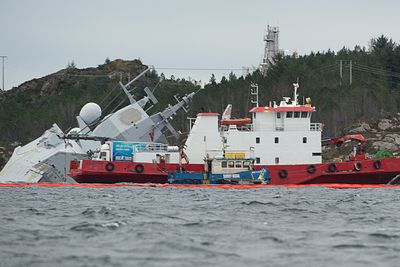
271 38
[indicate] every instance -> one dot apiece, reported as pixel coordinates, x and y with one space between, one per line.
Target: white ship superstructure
279 134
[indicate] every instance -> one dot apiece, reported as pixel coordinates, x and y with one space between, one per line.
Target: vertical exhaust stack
204 138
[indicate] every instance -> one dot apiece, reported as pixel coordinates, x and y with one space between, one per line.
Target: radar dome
90 113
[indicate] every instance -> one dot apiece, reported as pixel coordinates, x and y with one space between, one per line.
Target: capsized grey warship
47 158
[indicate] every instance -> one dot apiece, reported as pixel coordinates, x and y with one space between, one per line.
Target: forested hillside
373 93
368 89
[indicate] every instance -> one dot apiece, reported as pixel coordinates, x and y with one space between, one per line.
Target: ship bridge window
246 164
231 164
238 164
289 114
257 140
297 114
224 164
304 114
258 160
278 115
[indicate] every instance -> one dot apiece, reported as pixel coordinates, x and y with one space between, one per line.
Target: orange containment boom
208 186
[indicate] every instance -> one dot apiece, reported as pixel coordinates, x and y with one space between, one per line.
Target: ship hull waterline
370 171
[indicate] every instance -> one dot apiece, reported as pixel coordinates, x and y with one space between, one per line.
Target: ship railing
243 128
246 128
154 147
232 154
316 127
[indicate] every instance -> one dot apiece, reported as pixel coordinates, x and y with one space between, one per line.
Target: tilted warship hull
47 158
43 160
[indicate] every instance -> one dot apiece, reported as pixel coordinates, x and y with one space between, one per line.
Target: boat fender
283 173
139 168
109 166
332 167
311 169
377 164
357 166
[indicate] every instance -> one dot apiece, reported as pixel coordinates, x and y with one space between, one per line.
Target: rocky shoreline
381 135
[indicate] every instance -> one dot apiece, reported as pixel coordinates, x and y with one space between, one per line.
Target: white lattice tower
271 50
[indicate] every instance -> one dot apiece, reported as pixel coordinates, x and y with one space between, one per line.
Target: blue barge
222 171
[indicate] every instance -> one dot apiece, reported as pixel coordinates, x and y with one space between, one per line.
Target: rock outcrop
381 135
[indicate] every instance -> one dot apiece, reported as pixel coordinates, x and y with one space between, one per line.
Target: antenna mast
296 86
254 94
3 58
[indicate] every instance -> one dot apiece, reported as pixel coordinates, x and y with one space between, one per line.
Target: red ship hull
369 171
95 171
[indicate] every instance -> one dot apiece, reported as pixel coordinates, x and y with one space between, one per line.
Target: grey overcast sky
42 36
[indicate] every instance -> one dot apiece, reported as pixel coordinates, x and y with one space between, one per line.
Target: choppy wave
138 226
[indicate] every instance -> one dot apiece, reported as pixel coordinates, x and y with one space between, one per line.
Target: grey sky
42 36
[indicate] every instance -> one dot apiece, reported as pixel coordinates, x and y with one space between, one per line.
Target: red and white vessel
280 137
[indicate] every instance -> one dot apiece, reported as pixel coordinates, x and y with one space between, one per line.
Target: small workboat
221 170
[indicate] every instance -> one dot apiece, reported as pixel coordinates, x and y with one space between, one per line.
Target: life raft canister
357 166
332 167
377 164
139 168
283 173
109 166
311 169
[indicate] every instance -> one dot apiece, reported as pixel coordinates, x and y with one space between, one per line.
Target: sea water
128 226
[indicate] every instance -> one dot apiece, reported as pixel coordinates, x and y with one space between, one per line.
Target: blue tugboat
222 171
